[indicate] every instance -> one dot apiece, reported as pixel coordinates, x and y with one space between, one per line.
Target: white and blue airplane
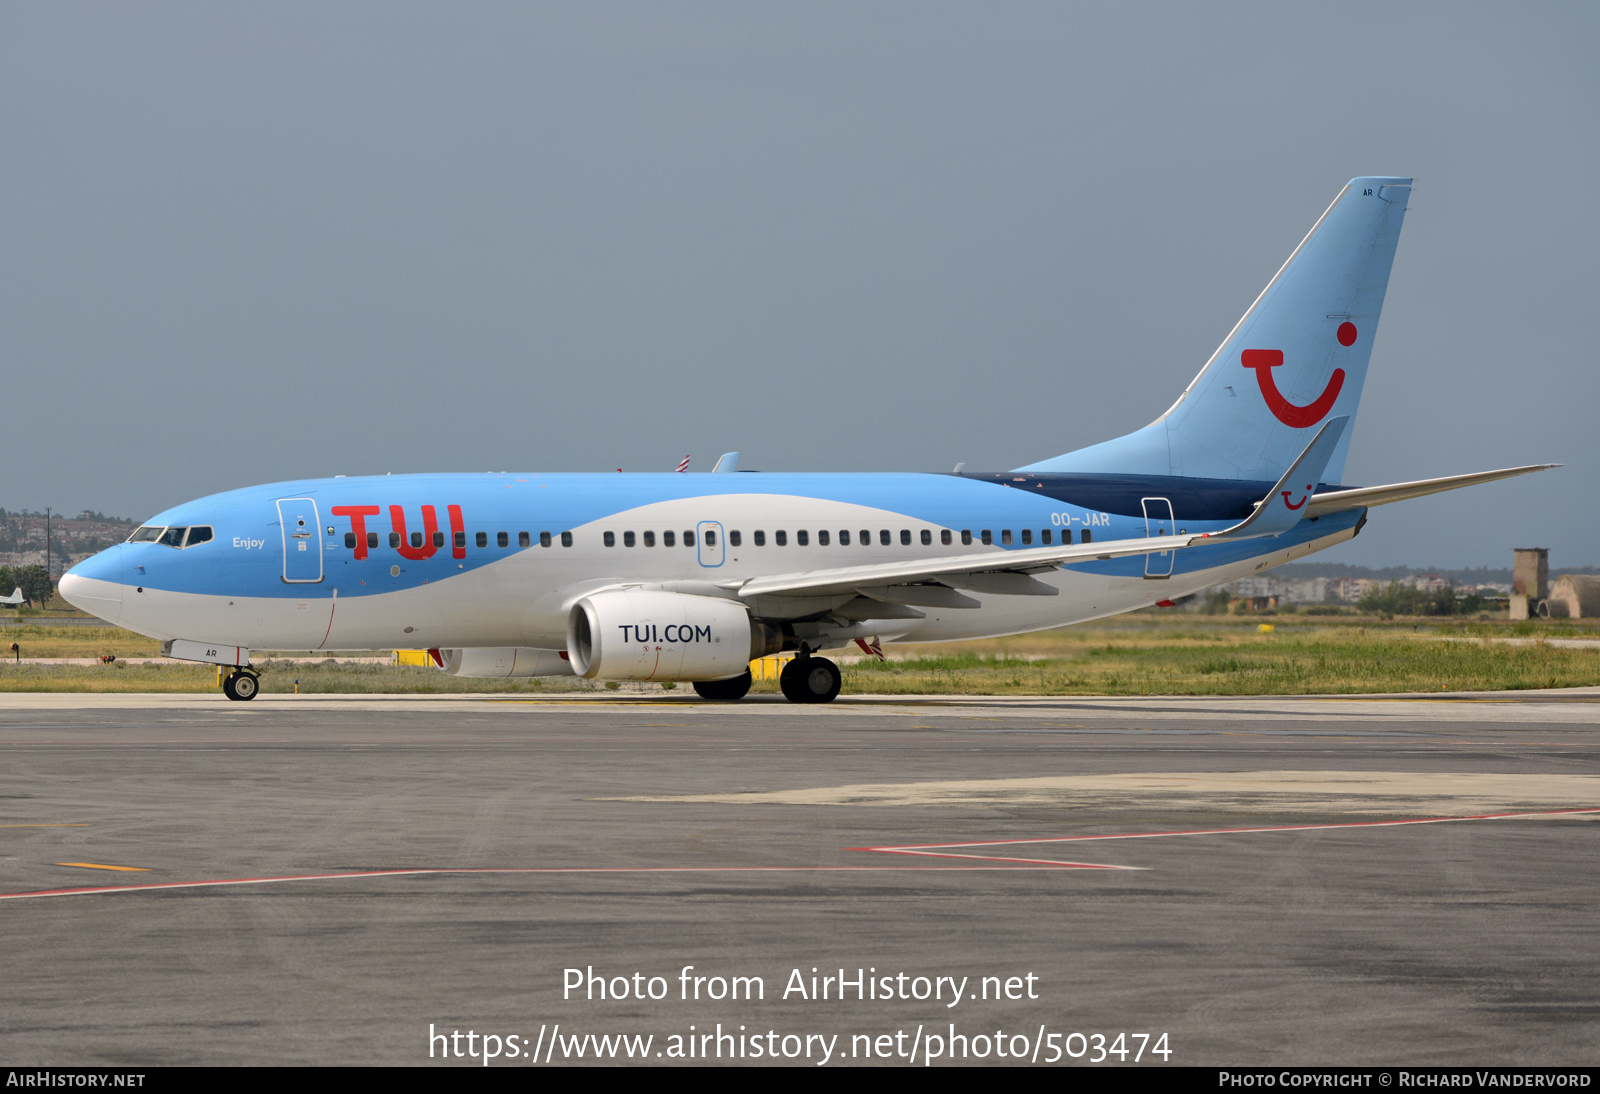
689 577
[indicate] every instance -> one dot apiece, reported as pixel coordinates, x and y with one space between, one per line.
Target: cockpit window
172 537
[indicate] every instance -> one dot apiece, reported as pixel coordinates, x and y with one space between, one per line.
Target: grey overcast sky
249 242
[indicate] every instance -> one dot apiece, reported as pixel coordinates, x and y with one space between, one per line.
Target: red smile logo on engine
1264 361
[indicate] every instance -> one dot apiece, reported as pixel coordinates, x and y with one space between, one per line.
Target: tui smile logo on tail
1264 361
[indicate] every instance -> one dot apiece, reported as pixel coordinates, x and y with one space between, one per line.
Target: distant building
1530 580
1573 596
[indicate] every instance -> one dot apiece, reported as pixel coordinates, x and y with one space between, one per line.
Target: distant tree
1398 599
36 584
1215 602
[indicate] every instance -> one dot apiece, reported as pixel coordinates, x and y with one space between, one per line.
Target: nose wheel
810 680
241 685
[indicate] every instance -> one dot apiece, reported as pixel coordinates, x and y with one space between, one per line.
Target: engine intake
642 634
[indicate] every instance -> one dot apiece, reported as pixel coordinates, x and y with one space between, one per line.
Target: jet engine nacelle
642 634
505 661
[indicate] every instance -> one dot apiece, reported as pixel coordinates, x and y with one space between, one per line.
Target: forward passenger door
302 540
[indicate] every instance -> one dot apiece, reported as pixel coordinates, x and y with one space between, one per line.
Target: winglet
726 463
1279 511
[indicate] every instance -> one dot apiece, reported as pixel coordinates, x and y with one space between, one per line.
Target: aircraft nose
95 584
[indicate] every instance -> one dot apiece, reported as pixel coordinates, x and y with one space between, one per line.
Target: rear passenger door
1158 522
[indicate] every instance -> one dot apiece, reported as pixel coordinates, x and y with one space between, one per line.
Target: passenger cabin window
966 537
905 537
781 538
566 538
884 537
544 539
438 539
688 539
459 539
669 539
866 537
609 539
761 538
1005 537
844 537
822 537
1088 536
711 537
802 538
525 540
502 539
372 540
1044 536
350 540
627 539
735 538
927 538
394 539
944 536
1027 536
649 539
416 539
482 538
987 537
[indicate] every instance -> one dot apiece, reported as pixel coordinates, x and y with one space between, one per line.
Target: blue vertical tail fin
1297 358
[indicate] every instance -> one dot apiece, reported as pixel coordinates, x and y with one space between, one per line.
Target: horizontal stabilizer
1367 496
1278 511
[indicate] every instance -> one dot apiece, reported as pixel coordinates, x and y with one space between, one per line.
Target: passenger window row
802 538
501 539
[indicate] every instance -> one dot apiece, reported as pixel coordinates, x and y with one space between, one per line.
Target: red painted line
911 847
331 611
216 883
996 858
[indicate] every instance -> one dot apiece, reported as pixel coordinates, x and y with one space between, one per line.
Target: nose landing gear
241 684
810 680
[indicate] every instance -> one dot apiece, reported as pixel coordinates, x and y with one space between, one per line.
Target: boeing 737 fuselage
691 576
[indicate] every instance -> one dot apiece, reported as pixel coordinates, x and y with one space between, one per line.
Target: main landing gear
724 691
241 684
810 680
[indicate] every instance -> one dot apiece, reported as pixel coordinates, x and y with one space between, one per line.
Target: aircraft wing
845 579
1008 572
1367 496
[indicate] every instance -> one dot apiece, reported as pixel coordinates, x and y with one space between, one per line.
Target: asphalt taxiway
307 879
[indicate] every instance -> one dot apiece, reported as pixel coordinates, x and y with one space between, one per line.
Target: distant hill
1484 575
72 539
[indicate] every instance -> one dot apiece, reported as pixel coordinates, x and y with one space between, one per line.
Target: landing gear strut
810 680
241 685
724 691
